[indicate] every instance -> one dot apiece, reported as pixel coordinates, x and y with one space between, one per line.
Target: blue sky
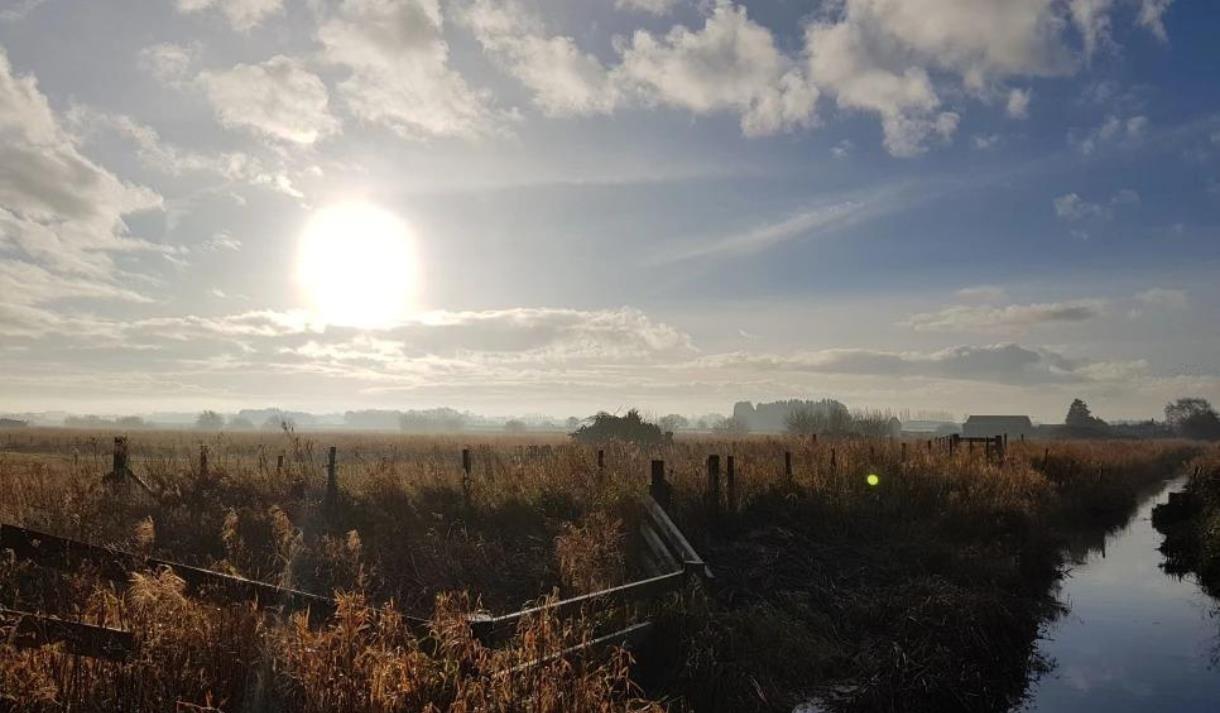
963 205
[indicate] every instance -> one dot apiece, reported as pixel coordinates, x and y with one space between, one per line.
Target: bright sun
358 265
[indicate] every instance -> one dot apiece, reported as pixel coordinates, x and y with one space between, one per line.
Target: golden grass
821 578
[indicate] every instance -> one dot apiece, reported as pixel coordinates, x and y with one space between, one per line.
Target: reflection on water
1134 638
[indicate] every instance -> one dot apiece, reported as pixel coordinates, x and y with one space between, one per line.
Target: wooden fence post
657 487
332 479
713 483
730 482
119 471
466 476
279 464
788 465
904 451
601 459
833 463
203 461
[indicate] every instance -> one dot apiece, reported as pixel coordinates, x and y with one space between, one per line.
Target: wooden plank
28 631
660 553
493 630
675 539
629 637
116 565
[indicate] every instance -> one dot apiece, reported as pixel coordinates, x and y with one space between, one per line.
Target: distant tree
210 421
515 426
573 423
89 421
1194 418
804 421
239 423
673 423
631 428
437 420
130 422
732 426
1080 421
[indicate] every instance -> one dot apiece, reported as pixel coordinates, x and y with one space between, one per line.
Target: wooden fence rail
27 631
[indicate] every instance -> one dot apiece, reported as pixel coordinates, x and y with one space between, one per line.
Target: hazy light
873 480
358 265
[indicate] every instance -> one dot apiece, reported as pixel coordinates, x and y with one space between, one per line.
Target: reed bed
922 592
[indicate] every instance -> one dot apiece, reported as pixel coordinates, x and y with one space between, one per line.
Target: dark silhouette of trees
630 428
673 423
1193 418
210 421
1081 422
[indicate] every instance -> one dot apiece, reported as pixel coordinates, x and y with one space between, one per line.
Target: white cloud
1004 363
656 7
887 56
278 98
1072 207
168 62
400 76
61 215
1006 319
243 15
1018 103
982 293
1092 19
984 142
1114 130
222 241
1165 298
880 55
842 149
1151 17
20 8
564 80
730 64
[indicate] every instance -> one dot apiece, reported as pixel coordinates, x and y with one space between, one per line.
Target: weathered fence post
332 479
601 459
279 464
1046 457
833 463
730 482
466 476
119 471
713 484
904 451
788 465
657 487
203 461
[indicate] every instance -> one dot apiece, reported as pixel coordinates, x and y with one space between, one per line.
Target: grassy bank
923 592
1191 525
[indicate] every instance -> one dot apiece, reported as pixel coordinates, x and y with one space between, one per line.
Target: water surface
1134 638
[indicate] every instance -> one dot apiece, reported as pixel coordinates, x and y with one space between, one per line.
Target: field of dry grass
923 592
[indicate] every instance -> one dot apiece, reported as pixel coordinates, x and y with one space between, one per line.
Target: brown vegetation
921 593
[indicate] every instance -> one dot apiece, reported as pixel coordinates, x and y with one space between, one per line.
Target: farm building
988 426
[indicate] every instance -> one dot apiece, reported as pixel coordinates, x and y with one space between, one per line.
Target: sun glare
358 266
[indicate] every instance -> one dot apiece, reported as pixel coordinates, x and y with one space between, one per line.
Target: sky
562 206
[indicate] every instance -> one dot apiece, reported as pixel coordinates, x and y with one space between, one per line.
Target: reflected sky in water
1135 639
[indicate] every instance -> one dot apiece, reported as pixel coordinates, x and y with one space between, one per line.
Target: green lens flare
873 480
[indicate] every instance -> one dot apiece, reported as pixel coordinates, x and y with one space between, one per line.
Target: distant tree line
1193 418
